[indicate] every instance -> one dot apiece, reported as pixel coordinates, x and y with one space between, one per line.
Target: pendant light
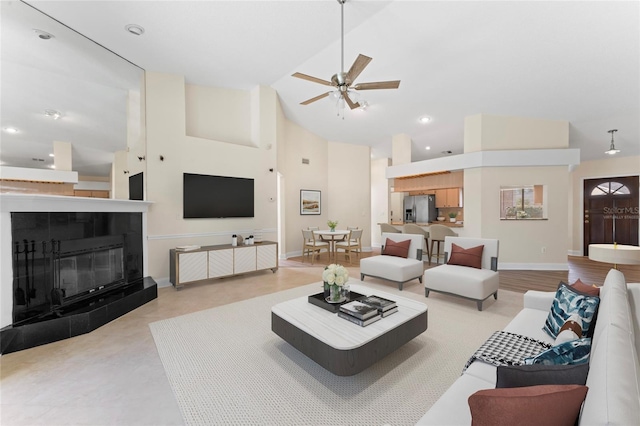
612 148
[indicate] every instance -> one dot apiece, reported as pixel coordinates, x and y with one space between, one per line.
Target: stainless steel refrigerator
420 209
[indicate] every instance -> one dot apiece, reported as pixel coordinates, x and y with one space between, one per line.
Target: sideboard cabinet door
244 259
220 263
193 266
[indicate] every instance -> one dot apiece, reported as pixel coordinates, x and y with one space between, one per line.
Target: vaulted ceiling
567 60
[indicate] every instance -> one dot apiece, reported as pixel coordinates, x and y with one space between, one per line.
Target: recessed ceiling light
53 166
134 29
53 113
427 148
425 119
51 155
43 35
10 130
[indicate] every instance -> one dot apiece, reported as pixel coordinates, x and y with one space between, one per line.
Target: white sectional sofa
613 381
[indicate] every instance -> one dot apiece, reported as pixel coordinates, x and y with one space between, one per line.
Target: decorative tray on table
318 300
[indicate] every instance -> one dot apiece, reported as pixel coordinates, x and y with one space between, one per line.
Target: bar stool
411 228
437 233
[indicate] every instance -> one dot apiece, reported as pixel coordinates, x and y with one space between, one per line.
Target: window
610 188
523 202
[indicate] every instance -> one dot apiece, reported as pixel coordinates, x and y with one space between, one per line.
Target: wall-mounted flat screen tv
206 196
136 187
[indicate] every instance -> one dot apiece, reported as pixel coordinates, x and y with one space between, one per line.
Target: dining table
332 237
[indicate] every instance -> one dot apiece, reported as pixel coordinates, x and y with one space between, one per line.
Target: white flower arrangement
335 275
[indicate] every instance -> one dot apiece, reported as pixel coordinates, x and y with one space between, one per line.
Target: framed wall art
310 202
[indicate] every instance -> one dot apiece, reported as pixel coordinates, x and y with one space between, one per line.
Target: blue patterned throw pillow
570 302
568 353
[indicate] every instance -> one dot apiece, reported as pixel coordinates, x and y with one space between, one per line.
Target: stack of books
187 248
384 306
359 313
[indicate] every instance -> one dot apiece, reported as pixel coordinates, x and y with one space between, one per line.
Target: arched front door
611 211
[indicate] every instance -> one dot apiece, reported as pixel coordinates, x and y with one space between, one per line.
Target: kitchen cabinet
448 197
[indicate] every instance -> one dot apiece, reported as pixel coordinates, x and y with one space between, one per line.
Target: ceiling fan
343 82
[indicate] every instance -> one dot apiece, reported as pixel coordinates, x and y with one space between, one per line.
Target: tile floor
114 374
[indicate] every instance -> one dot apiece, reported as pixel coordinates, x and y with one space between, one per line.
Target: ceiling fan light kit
342 82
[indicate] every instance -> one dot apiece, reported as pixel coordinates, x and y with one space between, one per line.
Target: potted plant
452 216
332 225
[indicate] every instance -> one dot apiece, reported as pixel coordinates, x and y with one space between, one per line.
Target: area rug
226 366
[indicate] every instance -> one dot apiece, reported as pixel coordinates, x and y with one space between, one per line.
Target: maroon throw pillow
591 290
471 257
527 406
396 248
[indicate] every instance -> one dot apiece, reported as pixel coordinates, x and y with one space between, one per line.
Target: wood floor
588 271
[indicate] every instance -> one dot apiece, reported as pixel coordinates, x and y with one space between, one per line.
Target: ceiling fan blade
359 64
308 101
378 85
310 78
352 105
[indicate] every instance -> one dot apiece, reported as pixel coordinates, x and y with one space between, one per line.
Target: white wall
607 167
166 136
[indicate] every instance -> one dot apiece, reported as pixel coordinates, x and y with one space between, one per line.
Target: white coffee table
340 346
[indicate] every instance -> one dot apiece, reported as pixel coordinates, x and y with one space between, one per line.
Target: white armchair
394 268
464 281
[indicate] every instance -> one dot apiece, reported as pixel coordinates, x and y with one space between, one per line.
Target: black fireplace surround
72 273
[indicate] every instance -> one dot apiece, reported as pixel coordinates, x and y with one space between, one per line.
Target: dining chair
411 228
352 244
311 246
437 234
385 227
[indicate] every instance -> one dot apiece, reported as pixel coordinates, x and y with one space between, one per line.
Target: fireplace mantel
51 203
56 203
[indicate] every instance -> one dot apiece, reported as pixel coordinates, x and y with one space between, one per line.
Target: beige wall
504 132
340 171
349 183
608 167
380 187
524 244
521 241
219 114
166 136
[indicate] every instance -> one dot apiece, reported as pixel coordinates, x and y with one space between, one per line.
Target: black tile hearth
80 318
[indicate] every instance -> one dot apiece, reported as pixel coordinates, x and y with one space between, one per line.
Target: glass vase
335 294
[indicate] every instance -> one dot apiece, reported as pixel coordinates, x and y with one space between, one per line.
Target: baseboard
163 282
574 252
533 266
298 253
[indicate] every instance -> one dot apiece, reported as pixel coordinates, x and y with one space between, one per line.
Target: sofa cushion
586 288
513 376
471 257
452 407
571 330
396 248
527 322
614 375
568 302
392 268
573 352
530 405
473 283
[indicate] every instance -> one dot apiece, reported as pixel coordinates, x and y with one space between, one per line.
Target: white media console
220 261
